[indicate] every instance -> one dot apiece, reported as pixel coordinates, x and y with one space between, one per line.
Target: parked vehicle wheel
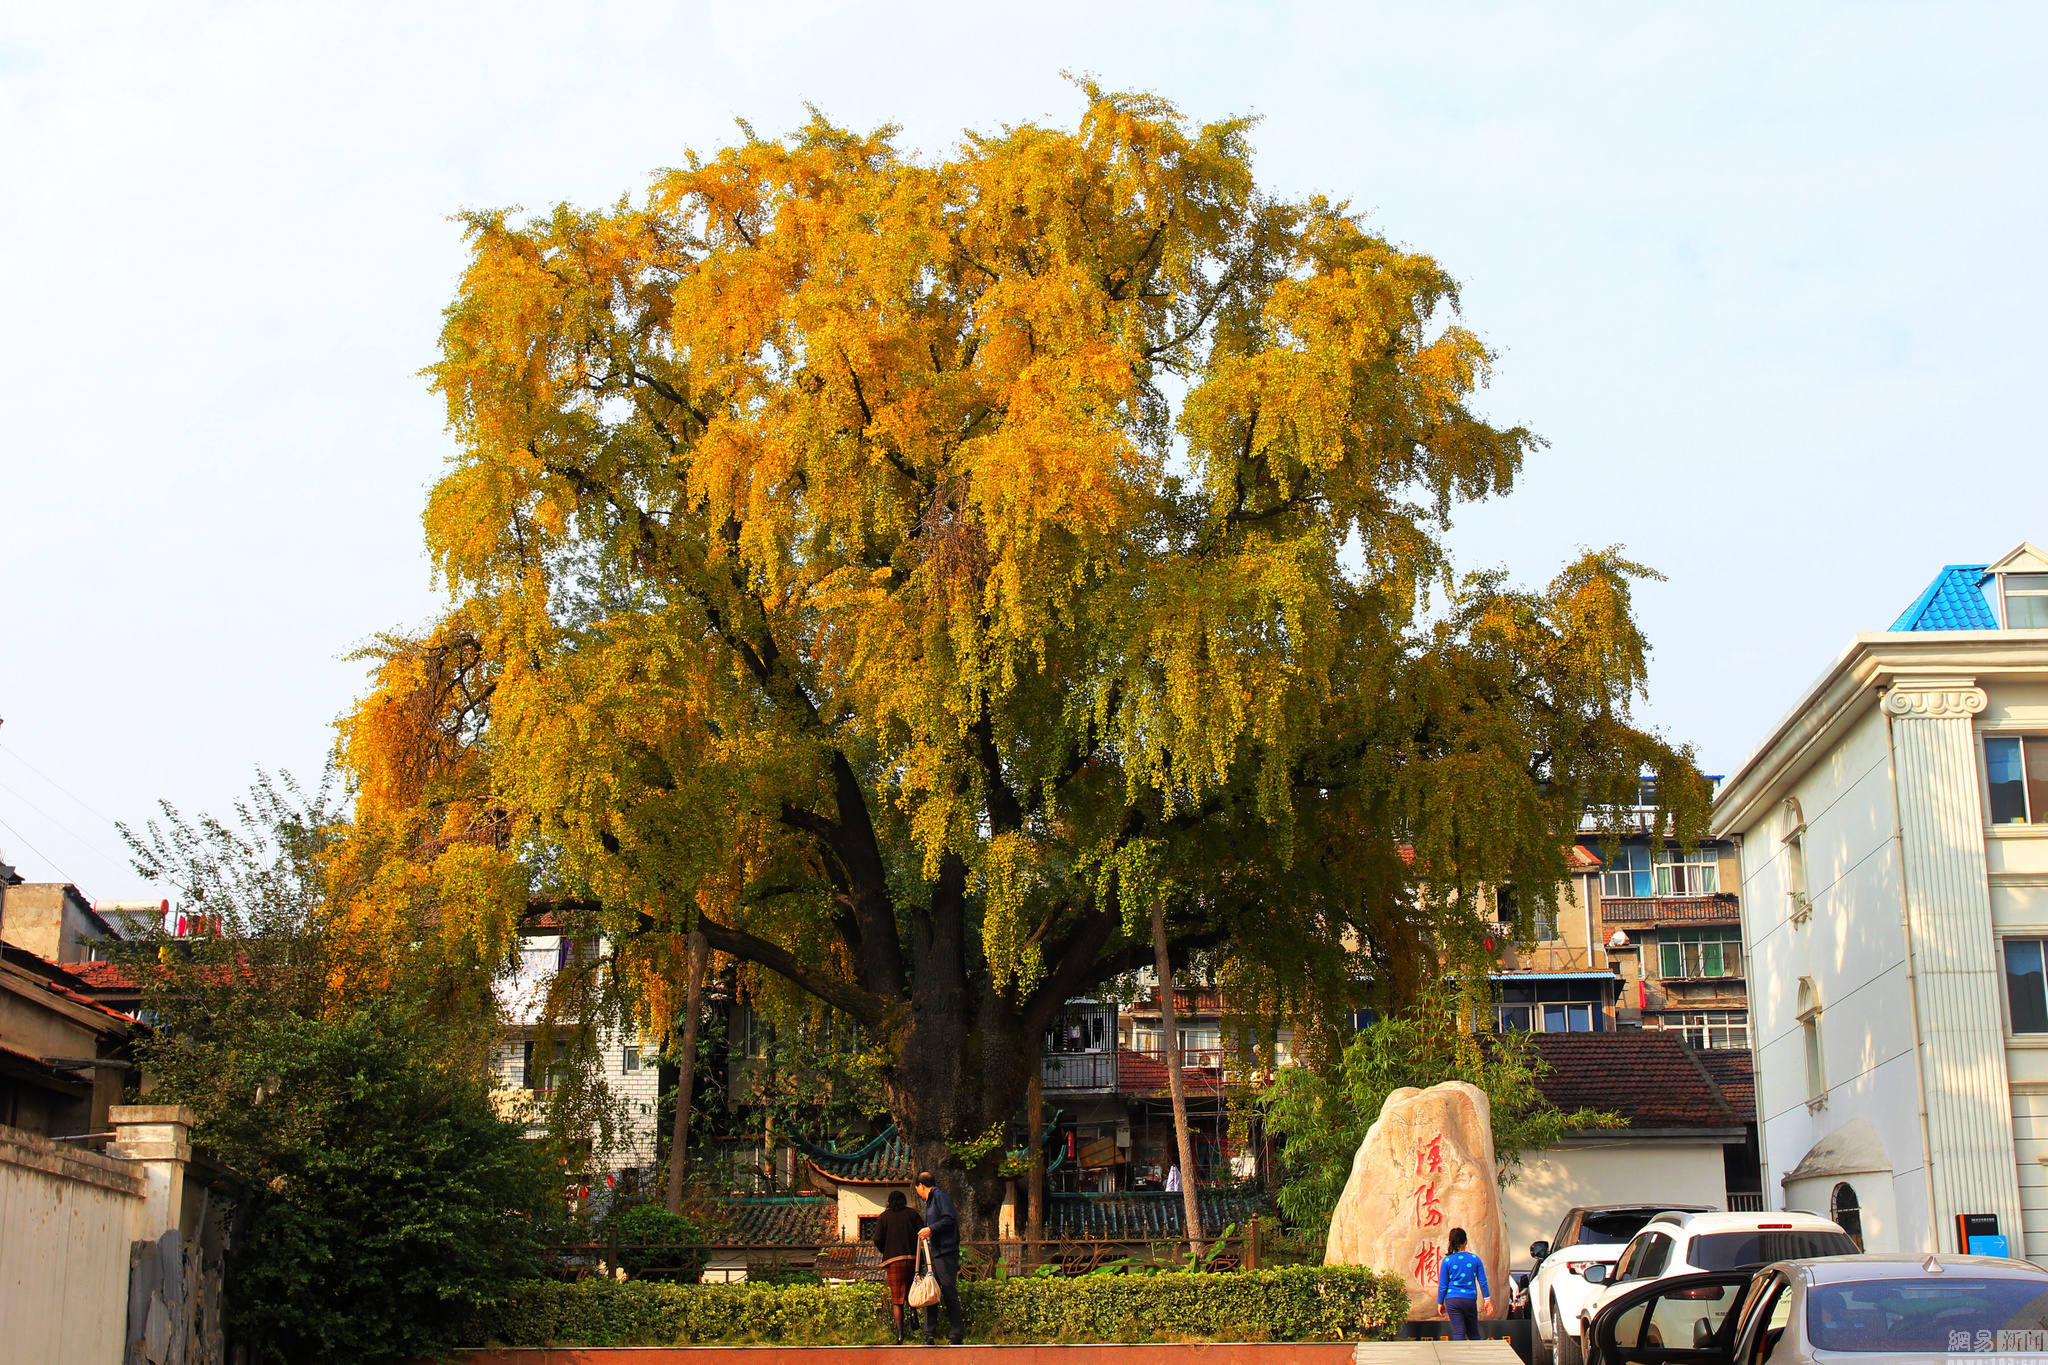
1565 1345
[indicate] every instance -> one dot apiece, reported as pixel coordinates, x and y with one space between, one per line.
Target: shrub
386 1200
1298 1303
665 1239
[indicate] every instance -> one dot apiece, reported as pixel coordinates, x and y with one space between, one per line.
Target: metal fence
1247 1246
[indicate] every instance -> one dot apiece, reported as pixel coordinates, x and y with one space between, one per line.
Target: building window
1533 1005
2026 600
1712 1028
2026 987
1628 872
1799 903
631 1062
1809 1025
1506 905
1847 1213
2017 769
1689 953
541 1079
1697 873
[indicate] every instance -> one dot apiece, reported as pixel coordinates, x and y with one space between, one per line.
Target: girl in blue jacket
1461 1287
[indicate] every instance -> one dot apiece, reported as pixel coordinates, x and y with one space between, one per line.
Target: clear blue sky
1767 277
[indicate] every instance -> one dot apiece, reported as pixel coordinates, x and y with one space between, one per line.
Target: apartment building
1893 837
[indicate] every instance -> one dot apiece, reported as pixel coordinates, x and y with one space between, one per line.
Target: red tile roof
1731 1071
1582 859
1649 1077
103 976
47 973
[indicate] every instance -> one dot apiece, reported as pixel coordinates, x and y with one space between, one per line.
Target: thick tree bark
1169 1027
686 1084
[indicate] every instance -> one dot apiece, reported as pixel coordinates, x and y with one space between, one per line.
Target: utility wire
82 841
38 852
15 754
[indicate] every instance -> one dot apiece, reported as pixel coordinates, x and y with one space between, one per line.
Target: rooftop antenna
1932 1266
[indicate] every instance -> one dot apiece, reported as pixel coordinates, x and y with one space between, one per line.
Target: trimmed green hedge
1296 1303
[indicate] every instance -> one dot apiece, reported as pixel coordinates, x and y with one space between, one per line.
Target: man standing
941 1233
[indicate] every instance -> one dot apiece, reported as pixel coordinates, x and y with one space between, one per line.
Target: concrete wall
1619 1172
65 1227
49 918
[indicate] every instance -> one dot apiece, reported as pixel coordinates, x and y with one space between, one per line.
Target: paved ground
1220 1353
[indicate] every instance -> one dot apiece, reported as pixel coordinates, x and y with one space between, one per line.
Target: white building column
1955 955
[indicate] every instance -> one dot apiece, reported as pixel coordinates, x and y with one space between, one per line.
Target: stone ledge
152 1113
26 1150
1208 1353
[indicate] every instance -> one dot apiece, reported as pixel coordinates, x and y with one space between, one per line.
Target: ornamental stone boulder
1425 1167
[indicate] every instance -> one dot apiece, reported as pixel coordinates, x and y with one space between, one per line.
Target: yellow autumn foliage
911 569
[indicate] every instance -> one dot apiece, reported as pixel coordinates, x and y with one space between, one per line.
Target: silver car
1834 1310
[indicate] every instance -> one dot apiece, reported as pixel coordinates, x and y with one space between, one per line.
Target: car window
1564 1231
1611 1229
1728 1250
1656 1255
1930 1313
1690 1317
1753 1337
1625 1267
1684 1319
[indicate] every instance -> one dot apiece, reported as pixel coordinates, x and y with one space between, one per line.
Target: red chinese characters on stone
1428 1213
1429 1157
1429 1257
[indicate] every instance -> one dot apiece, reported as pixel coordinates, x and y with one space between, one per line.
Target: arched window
1809 1023
1799 903
1847 1213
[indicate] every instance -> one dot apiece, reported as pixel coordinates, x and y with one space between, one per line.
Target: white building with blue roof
1893 844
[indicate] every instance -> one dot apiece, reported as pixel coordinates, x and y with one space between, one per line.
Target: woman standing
896 1238
1461 1288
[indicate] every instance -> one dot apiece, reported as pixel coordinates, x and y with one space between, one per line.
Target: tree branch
839 994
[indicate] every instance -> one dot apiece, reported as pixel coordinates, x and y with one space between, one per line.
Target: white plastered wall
1558 1179
1853 946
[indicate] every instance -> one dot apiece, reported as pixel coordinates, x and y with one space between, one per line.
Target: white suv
1687 1243
1588 1236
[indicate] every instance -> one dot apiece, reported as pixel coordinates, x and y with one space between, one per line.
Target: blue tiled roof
1141 1214
1952 602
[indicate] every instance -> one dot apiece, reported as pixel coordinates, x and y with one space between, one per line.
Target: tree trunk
686 1083
958 1081
1169 1028
1035 1106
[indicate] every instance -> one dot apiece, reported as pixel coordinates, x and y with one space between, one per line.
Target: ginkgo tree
911 572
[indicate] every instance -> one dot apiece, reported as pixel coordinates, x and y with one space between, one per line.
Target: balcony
1542 959
1723 908
1077 1071
1136 1071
